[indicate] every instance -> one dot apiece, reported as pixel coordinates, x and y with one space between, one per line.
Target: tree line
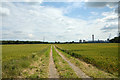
114 40
22 42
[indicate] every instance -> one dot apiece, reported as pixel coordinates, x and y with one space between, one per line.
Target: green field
17 57
98 60
104 55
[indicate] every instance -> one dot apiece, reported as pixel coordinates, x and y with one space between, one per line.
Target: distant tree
22 42
115 40
84 41
72 41
80 41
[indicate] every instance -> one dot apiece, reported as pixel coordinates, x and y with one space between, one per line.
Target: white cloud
4 11
30 35
27 1
38 21
33 2
102 0
108 17
61 0
33 12
94 13
110 21
40 1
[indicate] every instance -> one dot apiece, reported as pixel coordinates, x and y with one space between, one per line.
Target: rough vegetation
15 58
64 70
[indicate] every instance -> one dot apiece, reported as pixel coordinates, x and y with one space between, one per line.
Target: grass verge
38 68
63 68
90 70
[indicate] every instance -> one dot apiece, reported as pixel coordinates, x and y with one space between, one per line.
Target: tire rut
79 73
52 70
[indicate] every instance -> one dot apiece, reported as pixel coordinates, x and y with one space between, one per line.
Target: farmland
17 57
103 56
69 60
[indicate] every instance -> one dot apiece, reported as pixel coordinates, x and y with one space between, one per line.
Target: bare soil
77 70
52 70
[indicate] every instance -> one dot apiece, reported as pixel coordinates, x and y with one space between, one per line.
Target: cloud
117 10
108 17
4 11
61 0
30 35
34 22
94 13
16 35
38 1
17 32
101 4
33 2
96 4
9 34
110 20
33 12
102 0
110 27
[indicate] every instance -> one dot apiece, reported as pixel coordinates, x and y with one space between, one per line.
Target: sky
58 21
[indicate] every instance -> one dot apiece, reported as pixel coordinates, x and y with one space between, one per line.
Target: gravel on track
52 70
77 70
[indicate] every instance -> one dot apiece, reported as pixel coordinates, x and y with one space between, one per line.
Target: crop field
17 57
60 60
104 56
